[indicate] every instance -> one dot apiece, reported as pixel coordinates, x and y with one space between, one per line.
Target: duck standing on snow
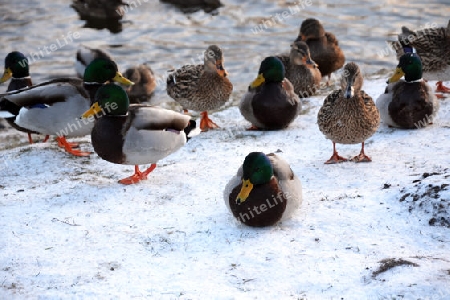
324 46
16 69
408 103
264 191
348 115
301 70
270 102
433 47
142 75
134 134
202 87
54 107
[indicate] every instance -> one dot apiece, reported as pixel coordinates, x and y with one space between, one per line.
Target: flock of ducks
264 190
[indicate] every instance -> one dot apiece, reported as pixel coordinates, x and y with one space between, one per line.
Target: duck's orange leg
441 88
335 158
362 157
138 175
206 123
62 142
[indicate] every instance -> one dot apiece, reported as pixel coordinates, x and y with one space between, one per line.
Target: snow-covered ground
69 230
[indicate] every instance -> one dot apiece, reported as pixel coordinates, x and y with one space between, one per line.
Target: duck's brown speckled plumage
324 46
301 71
144 83
433 47
201 87
349 121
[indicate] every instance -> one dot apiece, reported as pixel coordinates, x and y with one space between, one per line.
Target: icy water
49 32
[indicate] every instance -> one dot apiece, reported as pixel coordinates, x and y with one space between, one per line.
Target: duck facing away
301 70
348 115
433 47
54 107
264 191
323 45
202 87
270 103
134 134
16 69
408 103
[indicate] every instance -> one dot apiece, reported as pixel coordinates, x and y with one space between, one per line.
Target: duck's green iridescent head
111 100
409 66
102 70
271 70
16 64
257 169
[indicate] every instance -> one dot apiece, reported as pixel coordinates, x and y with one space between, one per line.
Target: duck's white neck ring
26 77
92 83
418 80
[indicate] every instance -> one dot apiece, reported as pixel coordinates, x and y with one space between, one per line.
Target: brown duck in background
202 87
348 115
301 70
433 47
324 47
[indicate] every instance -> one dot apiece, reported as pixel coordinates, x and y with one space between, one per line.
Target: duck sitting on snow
134 134
324 46
142 75
433 47
202 87
301 70
54 107
270 102
348 115
408 103
264 190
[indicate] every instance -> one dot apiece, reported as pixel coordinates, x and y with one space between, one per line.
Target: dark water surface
49 32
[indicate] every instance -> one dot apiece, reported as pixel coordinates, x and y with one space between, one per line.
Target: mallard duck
16 69
54 107
301 71
142 75
202 87
264 191
324 46
85 55
348 115
408 103
133 134
270 102
433 47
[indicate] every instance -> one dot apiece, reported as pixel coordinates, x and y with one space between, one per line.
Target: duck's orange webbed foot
62 142
138 175
206 123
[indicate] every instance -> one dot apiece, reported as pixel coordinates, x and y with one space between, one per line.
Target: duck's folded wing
46 93
156 118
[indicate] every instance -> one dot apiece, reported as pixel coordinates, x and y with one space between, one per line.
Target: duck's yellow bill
397 75
93 110
120 79
7 74
247 187
258 81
